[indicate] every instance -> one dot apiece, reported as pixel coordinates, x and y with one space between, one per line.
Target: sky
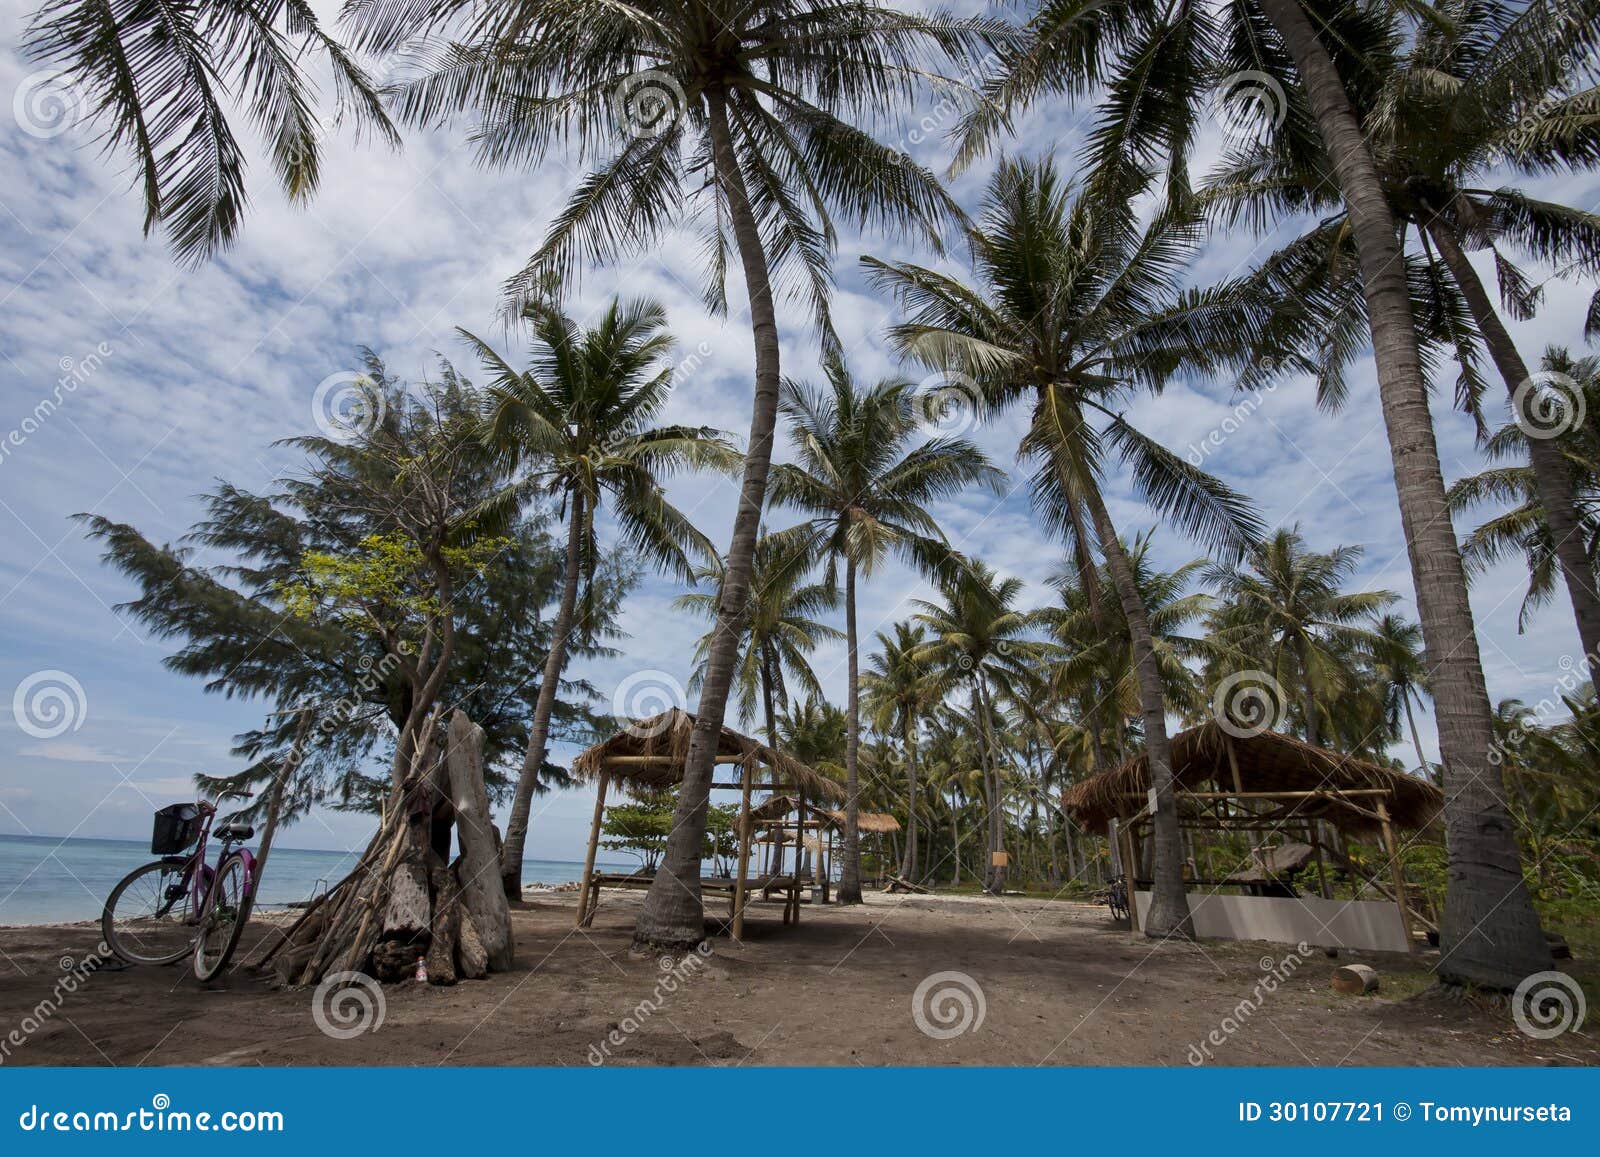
179 378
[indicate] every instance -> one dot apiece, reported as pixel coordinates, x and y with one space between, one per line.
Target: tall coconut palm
1396 653
982 639
1156 60
898 691
867 483
750 120
1072 308
1439 127
1096 665
579 422
1286 608
1523 529
164 84
780 631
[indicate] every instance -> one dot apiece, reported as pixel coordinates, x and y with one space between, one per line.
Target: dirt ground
1039 983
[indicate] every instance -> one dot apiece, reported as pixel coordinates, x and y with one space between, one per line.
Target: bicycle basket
176 827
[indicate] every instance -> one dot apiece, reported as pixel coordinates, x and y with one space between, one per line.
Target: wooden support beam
1397 875
745 831
584 912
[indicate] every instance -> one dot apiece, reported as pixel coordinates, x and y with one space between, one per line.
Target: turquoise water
46 879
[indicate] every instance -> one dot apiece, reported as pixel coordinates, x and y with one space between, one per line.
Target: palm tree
747 118
579 420
1073 307
980 637
868 489
1396 650
1286 609
899 692
1437 125
1155 61
158 81
1096 667
1524 529
780 631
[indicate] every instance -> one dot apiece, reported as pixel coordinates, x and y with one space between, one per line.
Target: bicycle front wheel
149 918
222 918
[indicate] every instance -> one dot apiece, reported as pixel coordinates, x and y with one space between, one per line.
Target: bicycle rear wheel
149 918
222 917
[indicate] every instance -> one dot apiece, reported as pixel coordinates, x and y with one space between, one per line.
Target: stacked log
404 905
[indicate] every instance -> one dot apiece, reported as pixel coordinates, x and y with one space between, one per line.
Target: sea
50 880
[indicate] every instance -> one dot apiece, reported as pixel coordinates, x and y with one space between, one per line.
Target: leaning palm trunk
1169 906
850 872
544 706
673 915
908 866
1416 739
1490 934
1550 478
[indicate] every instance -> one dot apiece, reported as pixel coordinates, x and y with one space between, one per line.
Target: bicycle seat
234 831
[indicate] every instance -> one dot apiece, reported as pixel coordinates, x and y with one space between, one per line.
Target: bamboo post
744 849
594 842
1238 784
1396 874
799 852
1322 866
1130 876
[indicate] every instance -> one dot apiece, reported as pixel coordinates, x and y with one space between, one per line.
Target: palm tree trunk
1551 480
768 704
955 840
673 915
994 875
908 866
1169 906
539 733
1416 737
1090 581
1308 695
1490 934
850 873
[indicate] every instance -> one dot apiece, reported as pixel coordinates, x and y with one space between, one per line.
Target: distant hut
650 753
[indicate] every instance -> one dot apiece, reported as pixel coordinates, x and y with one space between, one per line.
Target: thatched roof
652 753
782 805
1267 762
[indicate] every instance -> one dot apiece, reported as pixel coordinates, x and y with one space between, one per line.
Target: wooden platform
709 885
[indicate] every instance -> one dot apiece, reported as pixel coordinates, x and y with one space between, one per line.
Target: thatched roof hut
779 806
651 754
1267 763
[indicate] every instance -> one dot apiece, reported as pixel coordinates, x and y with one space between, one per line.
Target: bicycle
179 904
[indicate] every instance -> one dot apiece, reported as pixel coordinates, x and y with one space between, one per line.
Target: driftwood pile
405 902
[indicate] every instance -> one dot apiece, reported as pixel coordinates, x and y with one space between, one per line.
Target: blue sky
190 376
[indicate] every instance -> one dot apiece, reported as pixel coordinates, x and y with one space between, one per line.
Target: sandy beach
1004 982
